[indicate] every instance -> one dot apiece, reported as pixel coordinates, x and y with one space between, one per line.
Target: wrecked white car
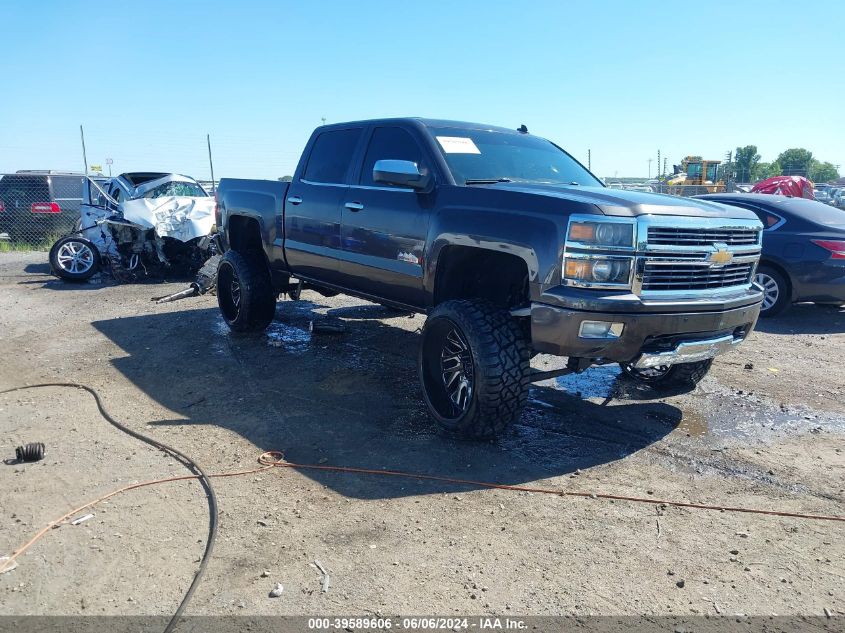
137 225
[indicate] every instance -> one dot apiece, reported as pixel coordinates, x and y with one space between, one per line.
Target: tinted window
331 156
490 155
19 192
67 187
390 143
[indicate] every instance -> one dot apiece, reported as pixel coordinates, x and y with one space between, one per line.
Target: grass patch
44 244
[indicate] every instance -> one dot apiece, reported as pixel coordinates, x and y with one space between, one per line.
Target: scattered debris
327 327
82 519
827 613
32 452
206 281
749 365
5 566
265 574
277 590
194 403
324 587
680 584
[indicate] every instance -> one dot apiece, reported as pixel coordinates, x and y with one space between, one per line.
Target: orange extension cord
274 459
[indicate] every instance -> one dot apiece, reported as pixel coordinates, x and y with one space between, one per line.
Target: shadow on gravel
353 400
805 318
38 269
104 280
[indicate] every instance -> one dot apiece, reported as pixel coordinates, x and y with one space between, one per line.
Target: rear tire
473 365
245 292
682 375
775 291
74 258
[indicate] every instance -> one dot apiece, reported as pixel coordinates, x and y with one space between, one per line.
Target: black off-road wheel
669 376
74 258
473 366
245 292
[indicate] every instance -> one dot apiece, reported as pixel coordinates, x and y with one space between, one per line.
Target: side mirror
403 173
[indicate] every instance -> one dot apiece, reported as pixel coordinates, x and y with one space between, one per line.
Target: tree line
746 166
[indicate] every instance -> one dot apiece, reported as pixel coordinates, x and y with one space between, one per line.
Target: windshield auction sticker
458 145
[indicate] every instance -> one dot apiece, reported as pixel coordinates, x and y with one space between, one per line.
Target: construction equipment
695 176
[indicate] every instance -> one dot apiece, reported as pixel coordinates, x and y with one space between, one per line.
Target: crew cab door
384 227
313 203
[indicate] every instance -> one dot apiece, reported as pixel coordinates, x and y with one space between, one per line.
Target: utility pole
649 168
589 160
84 155
211 164
658 161
665 166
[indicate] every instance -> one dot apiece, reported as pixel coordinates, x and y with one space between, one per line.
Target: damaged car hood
179 217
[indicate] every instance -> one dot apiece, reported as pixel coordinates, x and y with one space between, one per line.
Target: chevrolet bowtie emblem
721 256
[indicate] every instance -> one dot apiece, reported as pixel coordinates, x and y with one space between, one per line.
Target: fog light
600 329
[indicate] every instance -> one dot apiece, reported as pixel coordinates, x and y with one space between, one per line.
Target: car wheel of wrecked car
668 377
775 291
473 364
74 258
245 293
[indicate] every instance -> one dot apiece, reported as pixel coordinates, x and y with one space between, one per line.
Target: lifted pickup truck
508 244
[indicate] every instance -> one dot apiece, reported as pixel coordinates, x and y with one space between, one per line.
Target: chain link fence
38 207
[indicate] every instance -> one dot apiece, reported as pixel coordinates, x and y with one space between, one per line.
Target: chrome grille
683 276
692 236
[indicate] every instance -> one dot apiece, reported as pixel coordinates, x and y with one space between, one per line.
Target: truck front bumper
652 335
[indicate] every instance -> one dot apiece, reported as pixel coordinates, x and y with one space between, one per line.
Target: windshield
482 155
177 188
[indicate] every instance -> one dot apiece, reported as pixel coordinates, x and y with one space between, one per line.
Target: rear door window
67 188
331 156
390 143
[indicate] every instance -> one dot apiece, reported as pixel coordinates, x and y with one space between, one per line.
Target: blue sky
624 79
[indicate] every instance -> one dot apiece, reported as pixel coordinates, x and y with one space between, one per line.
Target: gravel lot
766 429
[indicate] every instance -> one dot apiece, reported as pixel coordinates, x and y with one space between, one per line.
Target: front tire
245 292
775 291
74 258
473 365
669 377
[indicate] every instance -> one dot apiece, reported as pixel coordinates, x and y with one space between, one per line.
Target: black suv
38 205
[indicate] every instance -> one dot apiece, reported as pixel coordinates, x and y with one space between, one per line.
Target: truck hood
619 202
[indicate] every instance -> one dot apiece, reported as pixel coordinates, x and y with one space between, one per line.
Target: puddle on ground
595 382
218 343
693 423
292 339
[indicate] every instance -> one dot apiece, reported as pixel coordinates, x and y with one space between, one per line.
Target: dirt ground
766 430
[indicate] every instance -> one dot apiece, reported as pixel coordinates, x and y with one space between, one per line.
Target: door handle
354 206
294 200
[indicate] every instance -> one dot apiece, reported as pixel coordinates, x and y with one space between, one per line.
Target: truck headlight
609 234
612 272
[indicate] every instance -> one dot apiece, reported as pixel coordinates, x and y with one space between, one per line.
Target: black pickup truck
508 245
